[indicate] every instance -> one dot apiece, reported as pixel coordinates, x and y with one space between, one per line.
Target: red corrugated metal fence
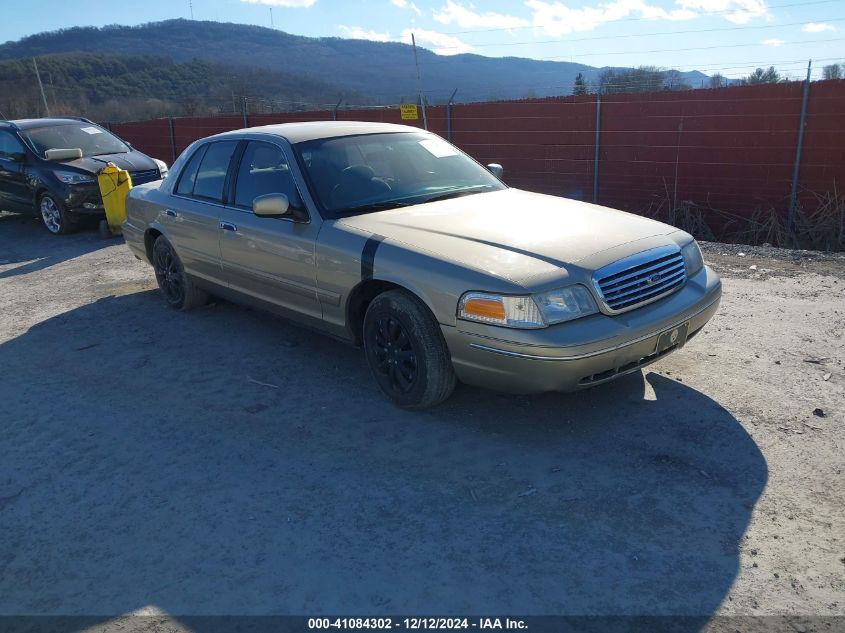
727 150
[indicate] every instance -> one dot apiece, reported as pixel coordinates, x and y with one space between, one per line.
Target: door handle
171 213
228 226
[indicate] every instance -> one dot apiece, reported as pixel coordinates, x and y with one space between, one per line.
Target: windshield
360 174
91 139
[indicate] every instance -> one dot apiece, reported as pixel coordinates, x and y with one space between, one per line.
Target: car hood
518 235
131 161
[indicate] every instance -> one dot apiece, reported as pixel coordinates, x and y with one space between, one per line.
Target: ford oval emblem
653 279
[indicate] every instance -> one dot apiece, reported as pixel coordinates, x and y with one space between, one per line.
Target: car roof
313 130
26 124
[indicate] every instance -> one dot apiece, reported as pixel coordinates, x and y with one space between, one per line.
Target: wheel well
359 299
149 239
38 193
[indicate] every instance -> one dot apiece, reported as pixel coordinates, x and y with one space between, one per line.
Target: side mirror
272 205
496 169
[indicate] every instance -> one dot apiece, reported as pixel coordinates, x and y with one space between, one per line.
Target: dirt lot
227 462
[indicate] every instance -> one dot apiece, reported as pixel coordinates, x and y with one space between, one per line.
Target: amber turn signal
485 309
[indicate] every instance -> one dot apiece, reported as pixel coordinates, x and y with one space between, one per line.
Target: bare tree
832 71
717 81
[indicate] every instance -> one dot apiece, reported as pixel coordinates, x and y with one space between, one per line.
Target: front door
270 259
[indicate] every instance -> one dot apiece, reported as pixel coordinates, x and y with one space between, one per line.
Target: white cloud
736 11
773 42
404 4
455 13
817 27
293 4
359 33
440 43
556 18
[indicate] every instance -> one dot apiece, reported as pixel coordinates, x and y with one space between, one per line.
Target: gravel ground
227 462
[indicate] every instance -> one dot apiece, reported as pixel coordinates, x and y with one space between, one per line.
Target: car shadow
24 241
226 462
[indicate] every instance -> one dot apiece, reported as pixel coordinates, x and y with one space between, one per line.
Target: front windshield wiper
455 193
373 206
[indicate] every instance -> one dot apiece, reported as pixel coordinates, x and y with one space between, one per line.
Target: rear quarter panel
143 207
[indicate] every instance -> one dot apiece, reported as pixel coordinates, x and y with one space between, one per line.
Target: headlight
529 312
73 177
162 167
566 304
519 312
692 258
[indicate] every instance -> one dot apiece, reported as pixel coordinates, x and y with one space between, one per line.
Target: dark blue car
49 167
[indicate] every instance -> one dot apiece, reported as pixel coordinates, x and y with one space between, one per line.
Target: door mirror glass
496 169
272 205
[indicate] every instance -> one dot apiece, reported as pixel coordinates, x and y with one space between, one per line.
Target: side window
211 175
9 145
189 173
264 170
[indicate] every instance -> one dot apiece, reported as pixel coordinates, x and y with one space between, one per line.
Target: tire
178 289
54 216
104 230
406 351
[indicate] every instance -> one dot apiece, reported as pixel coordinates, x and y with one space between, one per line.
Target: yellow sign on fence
409 112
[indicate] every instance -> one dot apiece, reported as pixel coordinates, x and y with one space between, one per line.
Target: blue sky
728 36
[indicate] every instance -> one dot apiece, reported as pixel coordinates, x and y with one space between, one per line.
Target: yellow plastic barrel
114 184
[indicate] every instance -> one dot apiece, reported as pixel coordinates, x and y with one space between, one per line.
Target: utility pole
796 168
53 90
191 7
272 26
40 85
419 81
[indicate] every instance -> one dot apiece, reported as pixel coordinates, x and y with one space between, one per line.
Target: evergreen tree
580 87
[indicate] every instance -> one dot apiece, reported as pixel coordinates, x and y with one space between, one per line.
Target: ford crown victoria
391 238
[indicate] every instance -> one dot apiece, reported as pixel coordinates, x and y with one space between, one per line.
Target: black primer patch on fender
368 255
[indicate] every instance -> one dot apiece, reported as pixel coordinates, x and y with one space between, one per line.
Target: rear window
91 139
189 173
211 175
204 176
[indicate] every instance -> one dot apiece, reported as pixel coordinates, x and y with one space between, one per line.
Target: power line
639 19
652 34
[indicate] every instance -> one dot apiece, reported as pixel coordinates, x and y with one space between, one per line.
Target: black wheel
104 230
180 292
406 351
54 215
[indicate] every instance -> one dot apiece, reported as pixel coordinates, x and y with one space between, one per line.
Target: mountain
122 87
383 71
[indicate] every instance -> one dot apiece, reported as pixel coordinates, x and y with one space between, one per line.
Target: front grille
640 279
142 177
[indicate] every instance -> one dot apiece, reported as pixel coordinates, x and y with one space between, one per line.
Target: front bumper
580 353
83 199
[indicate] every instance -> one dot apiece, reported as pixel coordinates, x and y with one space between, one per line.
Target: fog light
91 205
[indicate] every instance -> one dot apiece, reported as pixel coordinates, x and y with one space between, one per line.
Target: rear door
14 193
271 259
192 219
